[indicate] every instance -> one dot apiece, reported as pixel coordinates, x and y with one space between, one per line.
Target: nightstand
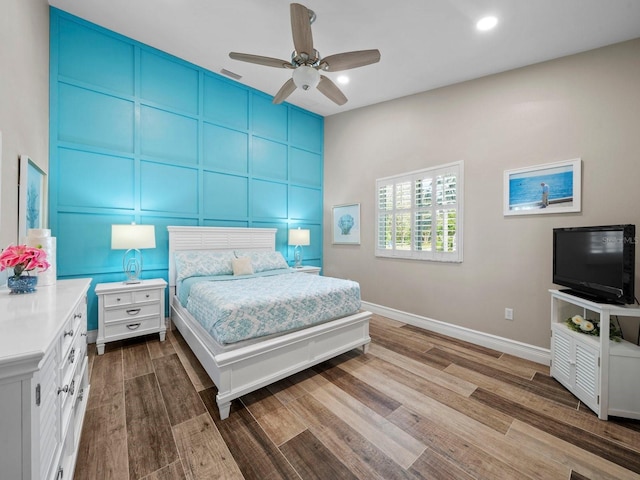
129 310
308 269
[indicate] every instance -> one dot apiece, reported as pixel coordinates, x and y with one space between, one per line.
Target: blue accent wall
138 135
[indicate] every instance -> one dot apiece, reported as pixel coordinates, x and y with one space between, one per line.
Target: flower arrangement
23 258
591 327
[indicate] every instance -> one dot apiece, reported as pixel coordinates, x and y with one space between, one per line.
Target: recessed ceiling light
343 79
486 23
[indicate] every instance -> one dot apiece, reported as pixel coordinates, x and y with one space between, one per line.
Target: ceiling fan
306 61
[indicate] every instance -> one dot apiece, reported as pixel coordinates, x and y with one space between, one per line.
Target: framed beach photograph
346 224
548 188
32 203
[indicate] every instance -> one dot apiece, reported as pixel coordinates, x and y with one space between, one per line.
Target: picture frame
543 189
32 197
346 224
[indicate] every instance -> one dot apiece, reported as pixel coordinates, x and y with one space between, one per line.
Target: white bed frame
248 368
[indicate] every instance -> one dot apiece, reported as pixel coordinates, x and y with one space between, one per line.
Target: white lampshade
124 237
306 77
299 236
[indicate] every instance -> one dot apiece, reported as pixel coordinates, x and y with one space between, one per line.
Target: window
419 214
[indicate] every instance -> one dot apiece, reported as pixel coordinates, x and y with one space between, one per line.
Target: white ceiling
424 44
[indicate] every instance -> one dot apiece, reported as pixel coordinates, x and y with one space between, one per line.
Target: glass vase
22 284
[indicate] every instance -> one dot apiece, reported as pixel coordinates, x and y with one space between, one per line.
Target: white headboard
217 238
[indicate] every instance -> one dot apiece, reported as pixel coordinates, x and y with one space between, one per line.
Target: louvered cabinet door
561 358
587 378
574 363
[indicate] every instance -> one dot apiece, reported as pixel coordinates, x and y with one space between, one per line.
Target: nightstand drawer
120 298
126 329
147 295
130 313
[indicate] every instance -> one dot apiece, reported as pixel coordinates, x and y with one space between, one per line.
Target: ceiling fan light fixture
306 77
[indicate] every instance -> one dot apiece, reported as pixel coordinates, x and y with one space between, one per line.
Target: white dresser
43 380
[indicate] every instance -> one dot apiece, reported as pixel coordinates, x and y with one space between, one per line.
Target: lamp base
132 265
297 256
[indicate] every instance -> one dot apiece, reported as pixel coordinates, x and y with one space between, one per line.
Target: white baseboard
92 336
501 344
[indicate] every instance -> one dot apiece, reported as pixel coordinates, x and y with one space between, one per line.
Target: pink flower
23 258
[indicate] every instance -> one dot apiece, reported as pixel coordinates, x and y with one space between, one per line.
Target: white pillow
242 266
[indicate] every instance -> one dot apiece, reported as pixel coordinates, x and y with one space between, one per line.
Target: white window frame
411 252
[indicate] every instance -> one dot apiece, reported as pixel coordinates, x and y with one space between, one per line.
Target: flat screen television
596 262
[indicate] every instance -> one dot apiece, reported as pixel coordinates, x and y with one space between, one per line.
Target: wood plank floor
418 406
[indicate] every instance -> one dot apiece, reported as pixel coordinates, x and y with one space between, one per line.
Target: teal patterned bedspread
241 308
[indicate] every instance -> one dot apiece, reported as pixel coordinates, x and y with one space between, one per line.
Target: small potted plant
23 259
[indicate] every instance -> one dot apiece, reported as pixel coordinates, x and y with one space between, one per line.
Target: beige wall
24 100
586 105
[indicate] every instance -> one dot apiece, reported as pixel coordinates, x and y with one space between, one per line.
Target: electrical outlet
508 313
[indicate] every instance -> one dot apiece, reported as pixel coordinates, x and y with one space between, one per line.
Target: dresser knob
64 389
72 355
72 388
68 333
77 315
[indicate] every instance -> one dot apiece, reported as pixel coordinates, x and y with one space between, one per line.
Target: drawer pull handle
147 295
133 311
64 389
118 299
133 326
72 388
72 355
81 394
77 315
68 333
83 334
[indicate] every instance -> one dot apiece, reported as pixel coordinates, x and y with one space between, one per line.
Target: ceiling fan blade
286 90
260 60
345 61
301 28
331 91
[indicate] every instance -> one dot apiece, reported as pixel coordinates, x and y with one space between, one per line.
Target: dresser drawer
130 313
132 327
72 327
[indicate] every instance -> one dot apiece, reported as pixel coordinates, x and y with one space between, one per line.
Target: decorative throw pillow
264 260
200 263
242 266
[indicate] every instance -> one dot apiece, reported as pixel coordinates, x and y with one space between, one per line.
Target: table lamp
132 238
298 238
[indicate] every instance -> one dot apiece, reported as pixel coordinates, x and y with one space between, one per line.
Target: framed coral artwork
32 200
346 224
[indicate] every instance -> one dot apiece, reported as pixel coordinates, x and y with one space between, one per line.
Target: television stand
597 370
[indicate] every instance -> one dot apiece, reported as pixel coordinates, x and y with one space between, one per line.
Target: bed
243 366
